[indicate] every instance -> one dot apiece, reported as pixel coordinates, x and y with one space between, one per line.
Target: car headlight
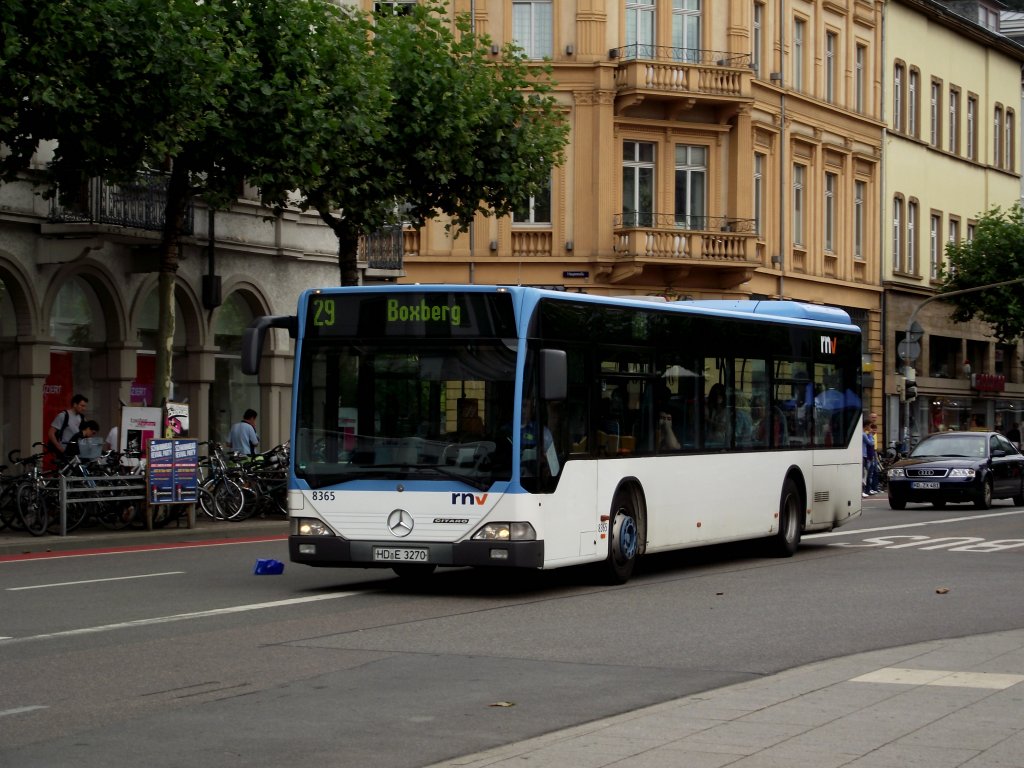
897 472
506 532
964 472
310 526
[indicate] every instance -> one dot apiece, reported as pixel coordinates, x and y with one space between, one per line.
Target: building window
830 212
640 29
897 234
637 183
859 221
686 20
799 34
758 41
954 120
831 43
535 210
936 114
934 247
1008 142
997 138
913 101
799 176
972 132
691 186
910 256
393 7
759 193
860 77
897 98
532 28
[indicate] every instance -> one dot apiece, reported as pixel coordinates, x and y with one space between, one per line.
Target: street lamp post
911 358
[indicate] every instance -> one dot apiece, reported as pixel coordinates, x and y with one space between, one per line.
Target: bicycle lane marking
90 552
178 617
859 531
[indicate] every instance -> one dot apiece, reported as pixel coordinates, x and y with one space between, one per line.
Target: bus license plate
399 555
931 486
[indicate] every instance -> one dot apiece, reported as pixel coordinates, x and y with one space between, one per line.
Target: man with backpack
66 425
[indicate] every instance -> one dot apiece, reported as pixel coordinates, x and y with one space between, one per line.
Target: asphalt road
183 657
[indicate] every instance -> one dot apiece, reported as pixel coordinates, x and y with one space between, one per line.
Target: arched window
78 329
148 327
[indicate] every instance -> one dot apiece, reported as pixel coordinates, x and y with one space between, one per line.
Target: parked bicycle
220 495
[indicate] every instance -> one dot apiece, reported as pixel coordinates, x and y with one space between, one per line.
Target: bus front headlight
506 532
310 526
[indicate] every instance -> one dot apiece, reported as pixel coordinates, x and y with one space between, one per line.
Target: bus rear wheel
624 538
787 540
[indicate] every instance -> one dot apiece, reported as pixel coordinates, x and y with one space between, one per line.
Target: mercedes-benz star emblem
400 523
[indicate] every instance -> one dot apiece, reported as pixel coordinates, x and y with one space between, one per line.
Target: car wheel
984 500
895 503
1018 500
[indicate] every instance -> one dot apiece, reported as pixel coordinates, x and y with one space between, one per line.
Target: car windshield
953 446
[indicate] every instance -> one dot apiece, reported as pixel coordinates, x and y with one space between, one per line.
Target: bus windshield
406 409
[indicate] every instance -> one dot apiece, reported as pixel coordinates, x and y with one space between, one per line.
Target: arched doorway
8 335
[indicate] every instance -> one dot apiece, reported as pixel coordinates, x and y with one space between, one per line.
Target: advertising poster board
176 420
138 427
172 471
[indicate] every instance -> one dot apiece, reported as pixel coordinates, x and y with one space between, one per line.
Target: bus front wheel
624 538
787 540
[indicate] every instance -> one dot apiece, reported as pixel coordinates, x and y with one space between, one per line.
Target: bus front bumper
334 552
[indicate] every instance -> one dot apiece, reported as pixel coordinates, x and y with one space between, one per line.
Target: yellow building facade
725 149
951 153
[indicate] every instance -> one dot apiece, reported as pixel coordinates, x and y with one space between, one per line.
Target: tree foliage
464 132
315 105
994 255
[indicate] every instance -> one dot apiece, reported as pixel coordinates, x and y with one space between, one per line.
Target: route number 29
323 312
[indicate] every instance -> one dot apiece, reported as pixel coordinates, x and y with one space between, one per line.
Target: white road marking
859 531
94 581
901 676
181 617
20 710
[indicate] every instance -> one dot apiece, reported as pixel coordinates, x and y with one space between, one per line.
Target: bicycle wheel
230 500
33 509
115 515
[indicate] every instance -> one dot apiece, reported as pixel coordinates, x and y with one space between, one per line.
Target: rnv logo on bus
829 345
468 499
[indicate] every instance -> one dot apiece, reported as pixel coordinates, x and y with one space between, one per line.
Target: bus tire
787 540
623 538
413 571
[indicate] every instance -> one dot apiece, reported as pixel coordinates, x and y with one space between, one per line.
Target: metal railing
637 51
384 249
139 204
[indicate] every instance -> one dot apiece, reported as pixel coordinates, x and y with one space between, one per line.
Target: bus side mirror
252 338
554 374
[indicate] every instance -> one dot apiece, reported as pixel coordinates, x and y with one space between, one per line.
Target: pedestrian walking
243 438
66 425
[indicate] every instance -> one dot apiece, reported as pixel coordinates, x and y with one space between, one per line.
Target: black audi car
952 467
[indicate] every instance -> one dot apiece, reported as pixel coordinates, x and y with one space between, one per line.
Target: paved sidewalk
944 703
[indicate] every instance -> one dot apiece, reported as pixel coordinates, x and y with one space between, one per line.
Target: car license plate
399 555
929 486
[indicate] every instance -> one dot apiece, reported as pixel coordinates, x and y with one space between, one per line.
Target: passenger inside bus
719 428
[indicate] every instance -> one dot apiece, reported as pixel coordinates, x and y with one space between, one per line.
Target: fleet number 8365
321 495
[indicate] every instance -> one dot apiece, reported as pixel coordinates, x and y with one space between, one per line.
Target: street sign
909 351
916 332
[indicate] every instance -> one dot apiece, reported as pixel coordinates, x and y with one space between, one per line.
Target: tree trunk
170 243
348 247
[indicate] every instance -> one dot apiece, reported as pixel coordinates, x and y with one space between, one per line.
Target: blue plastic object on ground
268 568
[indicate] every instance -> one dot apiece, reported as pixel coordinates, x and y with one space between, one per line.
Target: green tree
994 255
213 93
465 132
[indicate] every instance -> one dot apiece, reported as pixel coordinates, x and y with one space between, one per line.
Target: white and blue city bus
450 425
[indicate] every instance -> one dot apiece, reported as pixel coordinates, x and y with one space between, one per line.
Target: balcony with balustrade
680 78
711 251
